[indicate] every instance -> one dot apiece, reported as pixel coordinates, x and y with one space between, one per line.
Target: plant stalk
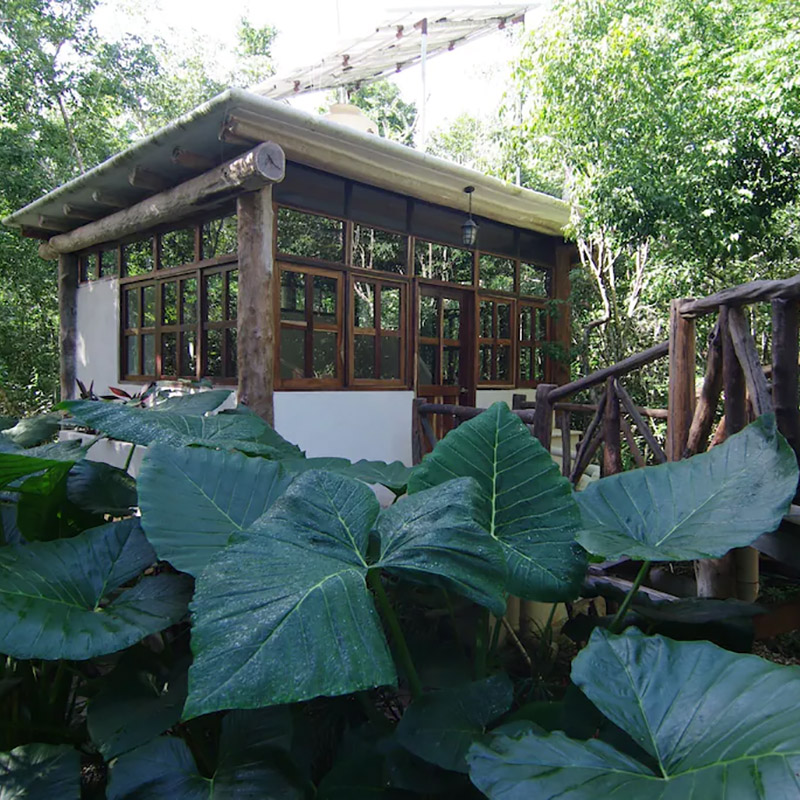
403 653
481 644
623 609
130 456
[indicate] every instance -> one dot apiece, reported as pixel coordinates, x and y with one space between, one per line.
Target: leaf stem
403 653
130 456
481 644
620 615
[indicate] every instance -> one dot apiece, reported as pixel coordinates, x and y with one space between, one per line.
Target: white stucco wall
485 397
97 352
354 425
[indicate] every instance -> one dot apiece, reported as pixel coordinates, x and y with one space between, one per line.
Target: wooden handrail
743 294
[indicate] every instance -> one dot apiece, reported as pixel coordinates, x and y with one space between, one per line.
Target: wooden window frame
535 343
495 341
309 326
380 282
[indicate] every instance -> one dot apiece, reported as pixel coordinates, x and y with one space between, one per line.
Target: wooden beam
142 178
614 371
53 223
256 324
612 447
190 160
68 323
636 452
251 171
566 443
785 338
743 294
586 408
681 381
706 408
76 212
589 443
745 349
109 199
644 429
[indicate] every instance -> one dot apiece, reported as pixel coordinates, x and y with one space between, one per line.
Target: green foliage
40 770
714 723
381 101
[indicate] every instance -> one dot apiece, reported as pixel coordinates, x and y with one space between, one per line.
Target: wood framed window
178 342
532 334
311 327
139 331
374 248
534 281
496 273
220 301
377 345
442 262
309 236
496 341
99 264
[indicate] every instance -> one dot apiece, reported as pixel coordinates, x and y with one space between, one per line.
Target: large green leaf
697 508
285 615
524 502
15 466
56 597
33 430
39 772
433 536
193 500
195 402
718 725
440 727
253 763
146 427
102 489
134 706
393 476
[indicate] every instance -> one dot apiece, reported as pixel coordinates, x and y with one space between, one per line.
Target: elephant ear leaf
41 770
59 599
700 507
716 724
523 501
273 593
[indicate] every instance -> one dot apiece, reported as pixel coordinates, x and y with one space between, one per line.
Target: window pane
214 352
324 358
231 368
503 355
390 357
309 235
525 323
149 306
108 263
450 368
390 309
233 293
219 237
169 354
132 355
189 291
428 316
485 359
364 357
442 263
214 309
540 331
497 273
324 300
533 280
189 354
293 348
364 304
525 365
131 308
452 318
87 267
138 257
293 295
169 303
504 320
177 247
538 365
486 319
376 249
428 370
149 354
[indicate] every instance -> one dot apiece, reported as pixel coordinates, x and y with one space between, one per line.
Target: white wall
97 349
485 397
350 424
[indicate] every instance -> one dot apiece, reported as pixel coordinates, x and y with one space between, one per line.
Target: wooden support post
709 397
589 443
612 449
785 337
256 312
417 450
566 443
627 431
749 361
560 329
68 323
681 380
644 429
543 415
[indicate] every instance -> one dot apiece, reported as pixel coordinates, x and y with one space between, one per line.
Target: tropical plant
241 620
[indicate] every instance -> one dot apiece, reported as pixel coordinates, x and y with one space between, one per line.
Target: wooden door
445 358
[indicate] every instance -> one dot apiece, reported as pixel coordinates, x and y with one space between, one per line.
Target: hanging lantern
469 230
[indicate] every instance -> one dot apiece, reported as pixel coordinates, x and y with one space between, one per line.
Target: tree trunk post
256 325
785 334
68 323
612 447
543 415
681 380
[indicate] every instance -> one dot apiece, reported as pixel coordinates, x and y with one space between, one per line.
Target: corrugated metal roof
306 139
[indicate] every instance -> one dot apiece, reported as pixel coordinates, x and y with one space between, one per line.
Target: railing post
681 380
612 447
785 333
543 415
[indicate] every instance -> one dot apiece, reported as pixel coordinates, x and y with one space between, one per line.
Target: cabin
330 275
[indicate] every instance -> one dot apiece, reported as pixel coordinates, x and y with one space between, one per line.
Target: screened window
377 353
219 237
496 273
99 264
137 258
176 248
532 333
534 280
310 344
442 262
495 341
310 235
377 249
